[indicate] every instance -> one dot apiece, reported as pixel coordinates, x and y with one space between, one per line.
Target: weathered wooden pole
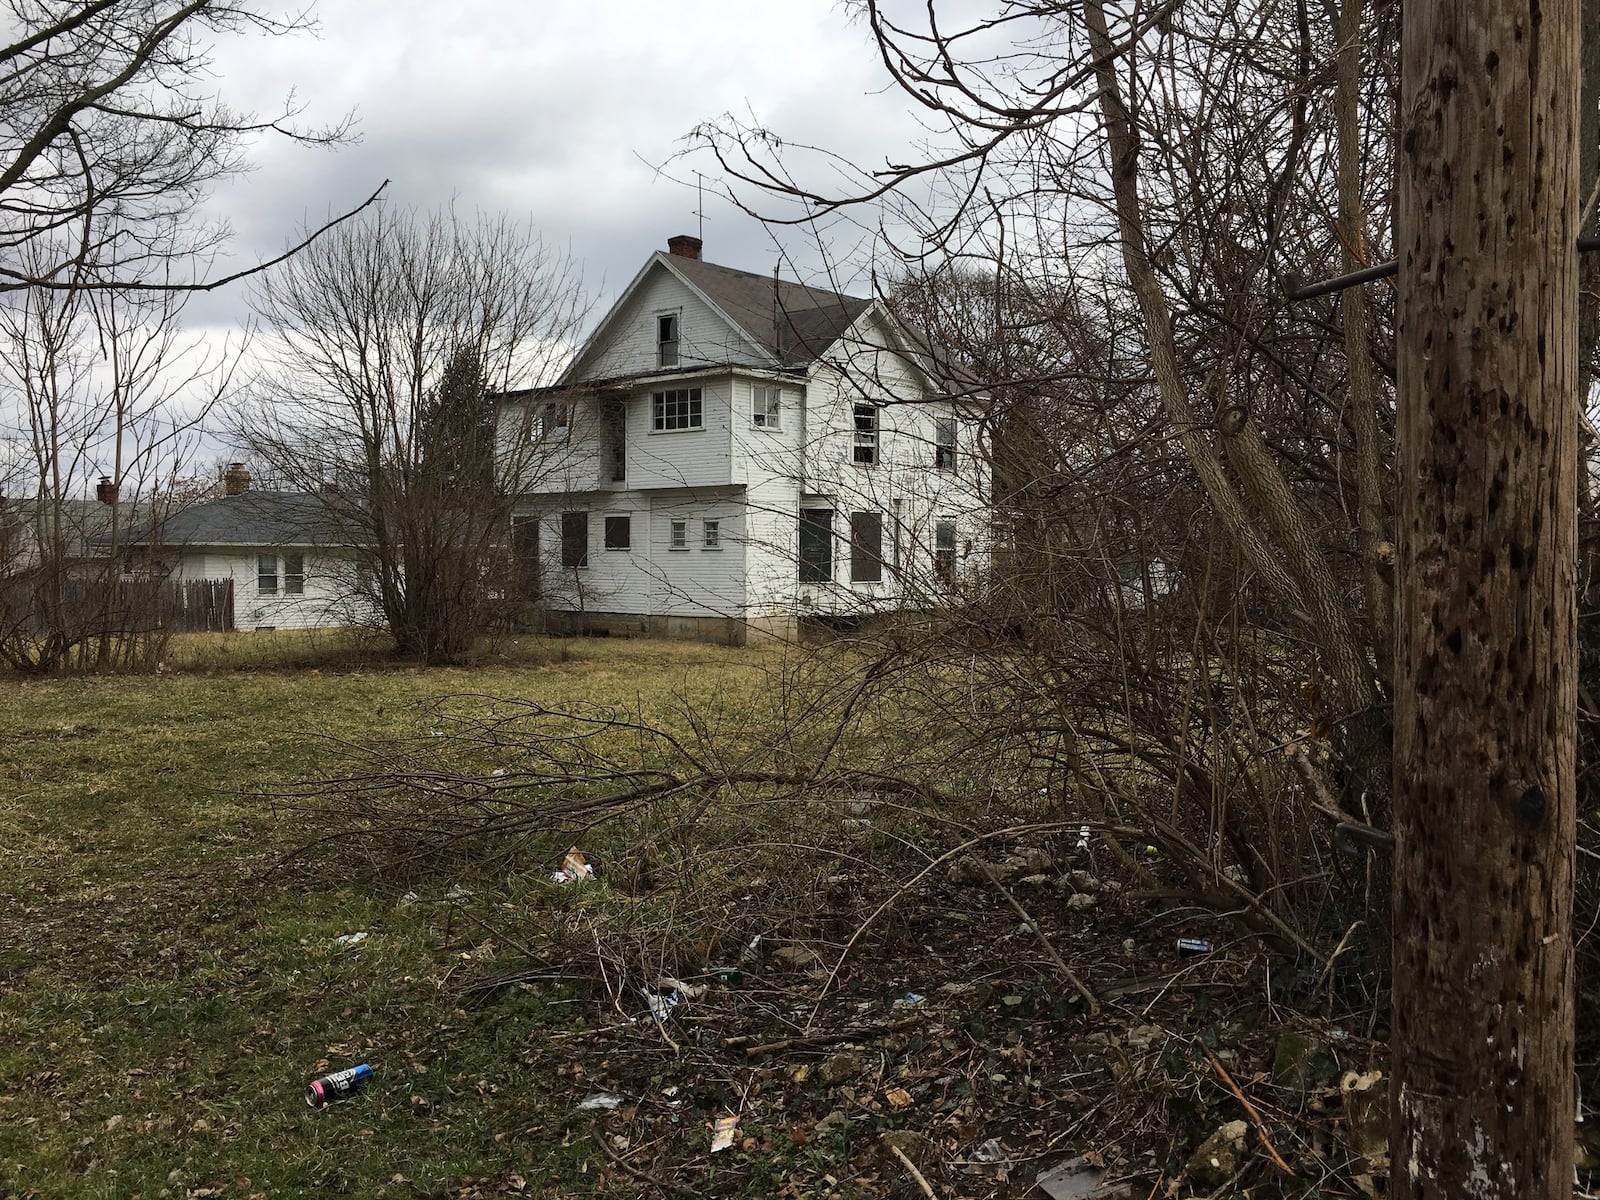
1486 687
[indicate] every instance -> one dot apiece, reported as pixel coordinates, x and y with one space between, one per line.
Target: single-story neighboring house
281 551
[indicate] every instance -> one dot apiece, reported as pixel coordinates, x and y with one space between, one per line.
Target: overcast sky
554 111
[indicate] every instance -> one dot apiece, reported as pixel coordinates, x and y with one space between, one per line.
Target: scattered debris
600 1100
909 1000
1142 1037
838 1068
722 1133
993 1153
1215 1162
1193 947
660 1005
346 940
336 1086
689 991
899 1098
1081 901
1076 1179
574 868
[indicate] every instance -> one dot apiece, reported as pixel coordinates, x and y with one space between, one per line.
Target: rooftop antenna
700 202
777 328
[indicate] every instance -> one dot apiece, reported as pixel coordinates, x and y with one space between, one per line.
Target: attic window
667 340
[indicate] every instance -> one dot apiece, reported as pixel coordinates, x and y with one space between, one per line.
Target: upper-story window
667 340
766 406
865 450
680 408
944 443
554 423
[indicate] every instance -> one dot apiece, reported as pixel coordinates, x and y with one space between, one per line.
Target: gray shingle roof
802 323
252 519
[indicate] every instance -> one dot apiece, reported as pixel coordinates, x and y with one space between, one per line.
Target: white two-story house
733 453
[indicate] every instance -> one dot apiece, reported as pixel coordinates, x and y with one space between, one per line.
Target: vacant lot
879 1018
164 996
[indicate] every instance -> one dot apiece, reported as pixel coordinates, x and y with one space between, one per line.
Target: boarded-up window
525 558
617 440
816 545
575 539
619 533
866 547
944 551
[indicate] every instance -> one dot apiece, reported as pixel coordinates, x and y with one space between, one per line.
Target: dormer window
667 340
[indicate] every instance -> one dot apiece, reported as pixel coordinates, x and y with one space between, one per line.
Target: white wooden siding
628 346
325 603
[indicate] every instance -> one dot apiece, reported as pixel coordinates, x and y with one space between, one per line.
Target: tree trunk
1486 658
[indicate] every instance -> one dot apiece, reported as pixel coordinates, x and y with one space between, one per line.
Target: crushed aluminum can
1194 947
336 1086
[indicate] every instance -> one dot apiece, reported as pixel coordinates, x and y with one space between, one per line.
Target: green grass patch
166 994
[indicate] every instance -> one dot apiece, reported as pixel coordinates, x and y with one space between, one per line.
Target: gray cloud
553 111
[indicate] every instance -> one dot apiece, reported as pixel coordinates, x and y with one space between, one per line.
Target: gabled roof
251 519
786 324
85 524
793 323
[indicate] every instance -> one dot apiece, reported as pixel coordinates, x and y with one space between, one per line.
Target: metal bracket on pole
1586 245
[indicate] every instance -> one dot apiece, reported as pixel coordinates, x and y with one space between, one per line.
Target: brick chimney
685 246
105 491
236 479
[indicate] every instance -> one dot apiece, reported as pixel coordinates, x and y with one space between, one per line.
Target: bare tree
1197 160
111 141
393 343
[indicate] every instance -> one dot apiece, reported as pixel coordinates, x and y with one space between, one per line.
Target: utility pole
1486 662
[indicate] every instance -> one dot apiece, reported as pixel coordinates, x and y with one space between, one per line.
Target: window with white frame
711 535
267 575
766 406
678 535
667 340
285 574
865 450
678 409
944 443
